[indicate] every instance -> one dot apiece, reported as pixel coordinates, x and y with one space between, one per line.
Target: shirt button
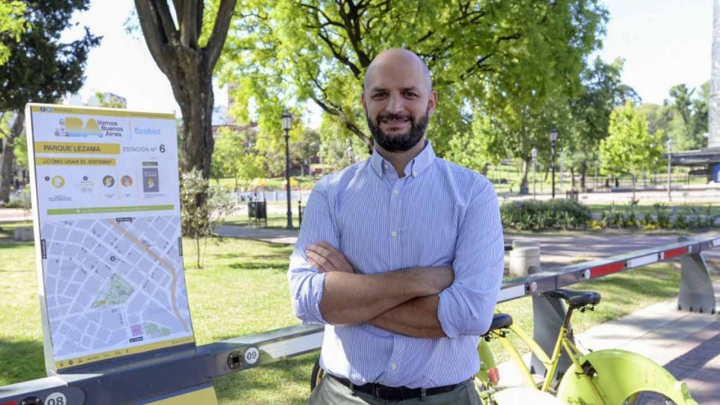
393 234
393 366
414 174
396 191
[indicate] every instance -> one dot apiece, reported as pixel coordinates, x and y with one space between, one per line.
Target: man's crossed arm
402 301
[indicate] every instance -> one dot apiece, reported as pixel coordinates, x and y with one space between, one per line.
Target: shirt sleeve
467 306
306 282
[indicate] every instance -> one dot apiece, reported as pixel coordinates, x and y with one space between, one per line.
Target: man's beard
398 142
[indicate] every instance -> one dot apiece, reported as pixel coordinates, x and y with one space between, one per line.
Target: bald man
399 256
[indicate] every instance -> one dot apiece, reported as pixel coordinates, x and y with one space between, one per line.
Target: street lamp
286 120
553 139
533 153
669 146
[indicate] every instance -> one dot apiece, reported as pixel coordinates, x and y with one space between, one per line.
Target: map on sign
108 236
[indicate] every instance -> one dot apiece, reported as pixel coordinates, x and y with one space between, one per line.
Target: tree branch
219 32
166 20
188 16
348 124
155 37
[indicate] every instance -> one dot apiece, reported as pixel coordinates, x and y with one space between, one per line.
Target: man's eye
410 94
379 95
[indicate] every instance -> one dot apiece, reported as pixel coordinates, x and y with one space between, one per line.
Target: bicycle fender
609 377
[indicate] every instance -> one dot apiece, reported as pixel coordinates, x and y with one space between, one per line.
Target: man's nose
395 105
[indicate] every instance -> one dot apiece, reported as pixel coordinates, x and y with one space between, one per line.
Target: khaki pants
331 392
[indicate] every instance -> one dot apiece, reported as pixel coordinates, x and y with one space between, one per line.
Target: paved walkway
556 250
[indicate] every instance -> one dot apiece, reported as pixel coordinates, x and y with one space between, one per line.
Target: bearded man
399 256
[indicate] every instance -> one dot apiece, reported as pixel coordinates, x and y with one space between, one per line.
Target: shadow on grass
21 361
259 266
286 382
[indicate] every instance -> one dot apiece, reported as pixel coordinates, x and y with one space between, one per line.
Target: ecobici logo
147 131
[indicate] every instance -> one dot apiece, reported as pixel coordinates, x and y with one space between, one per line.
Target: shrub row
569 214
540 215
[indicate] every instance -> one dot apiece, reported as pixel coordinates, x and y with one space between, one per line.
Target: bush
540 215
20 200
202 207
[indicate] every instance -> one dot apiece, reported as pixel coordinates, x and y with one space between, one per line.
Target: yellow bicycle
609 377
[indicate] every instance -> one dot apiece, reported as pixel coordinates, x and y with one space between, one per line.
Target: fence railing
142 378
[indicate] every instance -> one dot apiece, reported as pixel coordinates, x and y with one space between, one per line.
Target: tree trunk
583 173
524 189
193 92
572 178
7 165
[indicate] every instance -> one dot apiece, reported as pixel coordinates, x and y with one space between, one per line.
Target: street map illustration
110 243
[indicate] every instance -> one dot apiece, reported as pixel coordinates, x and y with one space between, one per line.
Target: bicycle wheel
648 398
317 374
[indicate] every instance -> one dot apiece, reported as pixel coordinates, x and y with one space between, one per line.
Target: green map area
117 293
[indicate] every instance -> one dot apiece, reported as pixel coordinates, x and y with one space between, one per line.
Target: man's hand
326 258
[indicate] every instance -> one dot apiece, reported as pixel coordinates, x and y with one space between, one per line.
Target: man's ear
432 103
362 97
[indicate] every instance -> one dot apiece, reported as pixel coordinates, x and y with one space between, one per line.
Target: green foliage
12 25
693 111
630 148
199 216
63 64
540 215
484 145
495 56
233 157
20 200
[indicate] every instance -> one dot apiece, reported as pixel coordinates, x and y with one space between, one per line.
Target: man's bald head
399 57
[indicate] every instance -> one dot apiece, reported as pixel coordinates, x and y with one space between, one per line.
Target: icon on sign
108 181
47 178
42 109
58 181
126 181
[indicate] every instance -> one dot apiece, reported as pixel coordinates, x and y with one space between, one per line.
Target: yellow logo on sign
58 181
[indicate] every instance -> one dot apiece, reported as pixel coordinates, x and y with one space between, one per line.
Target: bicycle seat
576 299
500 321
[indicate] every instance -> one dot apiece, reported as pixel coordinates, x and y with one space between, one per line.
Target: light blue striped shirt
438 214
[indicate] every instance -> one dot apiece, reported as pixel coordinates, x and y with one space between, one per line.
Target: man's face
398 103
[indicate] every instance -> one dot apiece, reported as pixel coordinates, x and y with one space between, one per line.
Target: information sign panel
105 194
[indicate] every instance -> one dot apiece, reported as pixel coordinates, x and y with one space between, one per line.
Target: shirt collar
413 168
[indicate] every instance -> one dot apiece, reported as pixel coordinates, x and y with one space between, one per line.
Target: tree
12 25
234 157
489 55
186 45
629 148
692 110
109 101
602 91
24 79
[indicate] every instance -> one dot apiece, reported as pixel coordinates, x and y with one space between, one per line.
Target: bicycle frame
601 377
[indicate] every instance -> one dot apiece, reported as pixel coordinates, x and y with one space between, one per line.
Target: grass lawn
243 290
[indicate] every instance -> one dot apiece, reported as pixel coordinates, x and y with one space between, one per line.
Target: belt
393 393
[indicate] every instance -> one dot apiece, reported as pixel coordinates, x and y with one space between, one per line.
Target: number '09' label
252 355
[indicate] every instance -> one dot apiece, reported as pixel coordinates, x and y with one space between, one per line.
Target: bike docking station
116 325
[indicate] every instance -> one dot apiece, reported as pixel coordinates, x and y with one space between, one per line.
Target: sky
663 42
